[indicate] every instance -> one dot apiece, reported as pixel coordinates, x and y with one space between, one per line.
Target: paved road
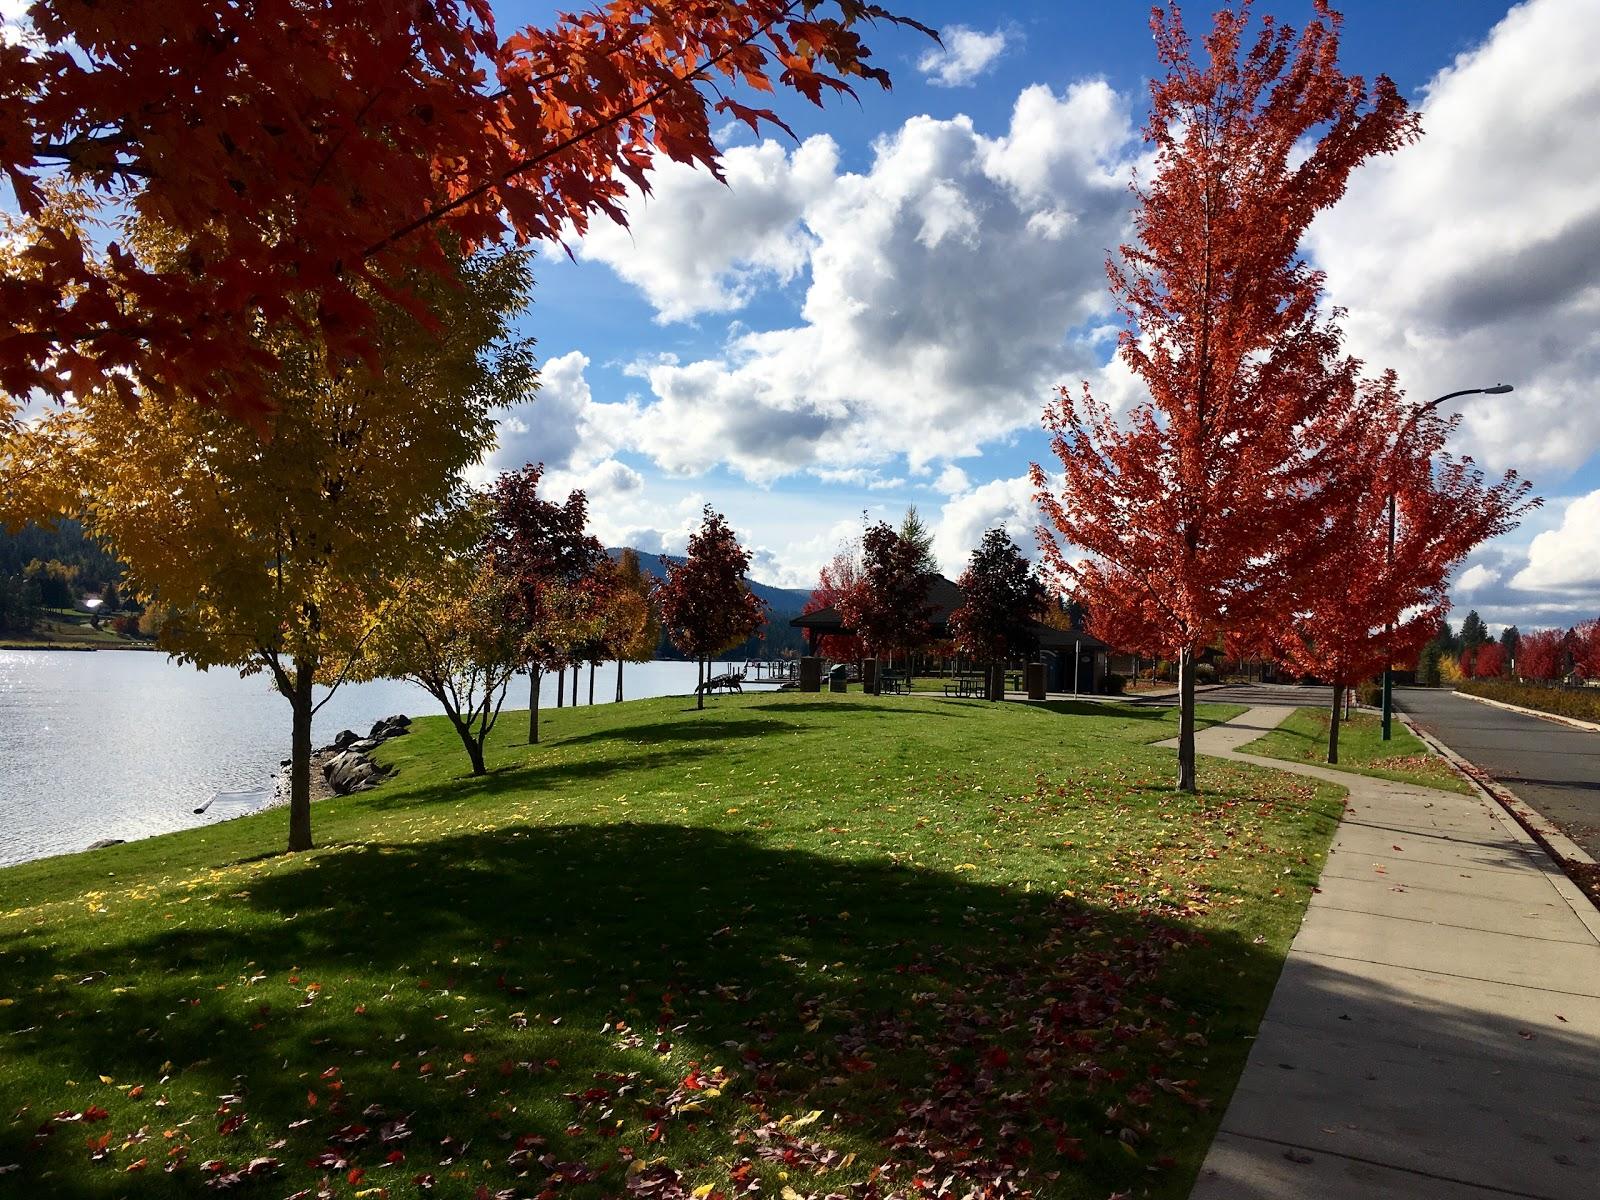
1554 767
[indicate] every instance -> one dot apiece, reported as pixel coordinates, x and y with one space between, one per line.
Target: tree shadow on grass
552 982
683 729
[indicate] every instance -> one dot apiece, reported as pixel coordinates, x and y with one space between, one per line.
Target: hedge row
1582 703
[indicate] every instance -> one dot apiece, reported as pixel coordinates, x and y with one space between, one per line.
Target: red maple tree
705 602
889 609
1002 598
1366 605
1542 655
1487 661
554 570
836 582
1584 643
1193 510
307 155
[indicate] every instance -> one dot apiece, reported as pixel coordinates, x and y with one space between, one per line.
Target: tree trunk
700 687
591 683
577 668
1333 725
1186 772
473 746
619 681
300 759
534 675
561 687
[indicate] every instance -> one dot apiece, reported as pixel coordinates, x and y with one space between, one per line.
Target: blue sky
874 315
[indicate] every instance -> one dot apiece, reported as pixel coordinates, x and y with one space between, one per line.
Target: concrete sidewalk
1436 1029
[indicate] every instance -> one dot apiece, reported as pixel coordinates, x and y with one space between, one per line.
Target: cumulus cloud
965 55
1471 258
944 282
695 245
966 518
1566 560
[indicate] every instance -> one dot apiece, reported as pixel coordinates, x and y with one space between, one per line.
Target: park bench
733 681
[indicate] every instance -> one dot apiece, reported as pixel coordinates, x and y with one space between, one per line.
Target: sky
874 314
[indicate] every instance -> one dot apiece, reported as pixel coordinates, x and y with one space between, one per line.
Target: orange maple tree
307 153
1366 606
1195 509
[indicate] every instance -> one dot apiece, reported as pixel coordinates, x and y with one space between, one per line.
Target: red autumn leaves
1247 495
305 159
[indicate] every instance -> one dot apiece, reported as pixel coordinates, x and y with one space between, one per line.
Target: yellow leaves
811 1118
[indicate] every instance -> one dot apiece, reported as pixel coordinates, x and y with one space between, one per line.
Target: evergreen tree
1474 632
1511 639
916 534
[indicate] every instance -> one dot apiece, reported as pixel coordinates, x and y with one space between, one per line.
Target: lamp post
1499 389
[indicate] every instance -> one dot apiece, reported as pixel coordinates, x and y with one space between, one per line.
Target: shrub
1114 683
1369 693
1205 673
1582 703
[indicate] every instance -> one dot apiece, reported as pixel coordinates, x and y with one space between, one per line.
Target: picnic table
893 681
965 685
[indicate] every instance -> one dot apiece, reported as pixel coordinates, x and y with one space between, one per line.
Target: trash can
838 677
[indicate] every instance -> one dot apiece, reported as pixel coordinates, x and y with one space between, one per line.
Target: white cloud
939 308
952 481
965 519
965 55
1477 577
1472 257
698 246
1566 559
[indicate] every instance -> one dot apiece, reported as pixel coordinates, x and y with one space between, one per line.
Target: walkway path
1436 1029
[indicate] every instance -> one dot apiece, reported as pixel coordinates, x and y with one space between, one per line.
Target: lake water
125 744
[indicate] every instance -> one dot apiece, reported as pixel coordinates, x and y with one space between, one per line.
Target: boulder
365 744
351 771
104 842
390 727
345 739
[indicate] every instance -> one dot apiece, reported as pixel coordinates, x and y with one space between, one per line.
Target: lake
125 744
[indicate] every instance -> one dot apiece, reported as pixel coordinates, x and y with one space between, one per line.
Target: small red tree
1542 655
305 154
1487 661
1194 510
889 608
836 583
705 602
1002 598
549 562
1584 643
1365 605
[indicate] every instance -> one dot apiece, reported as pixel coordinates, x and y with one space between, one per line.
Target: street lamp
1499 389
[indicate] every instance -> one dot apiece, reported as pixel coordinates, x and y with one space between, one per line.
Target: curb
1533 712
1527 825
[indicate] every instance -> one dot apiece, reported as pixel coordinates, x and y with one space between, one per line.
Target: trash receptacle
838 677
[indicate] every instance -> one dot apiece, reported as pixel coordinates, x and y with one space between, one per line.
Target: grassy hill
833 945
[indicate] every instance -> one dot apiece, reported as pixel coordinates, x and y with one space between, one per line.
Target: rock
285 762
365 744
345 738
390 727
352 771
104 842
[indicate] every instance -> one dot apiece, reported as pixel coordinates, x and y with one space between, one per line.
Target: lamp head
1499 389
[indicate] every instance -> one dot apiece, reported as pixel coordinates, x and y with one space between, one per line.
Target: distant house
1058 649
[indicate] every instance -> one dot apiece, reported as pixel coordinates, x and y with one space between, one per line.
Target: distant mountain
787 601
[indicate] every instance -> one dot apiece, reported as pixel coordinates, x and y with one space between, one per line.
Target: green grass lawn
1403 758
832 945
